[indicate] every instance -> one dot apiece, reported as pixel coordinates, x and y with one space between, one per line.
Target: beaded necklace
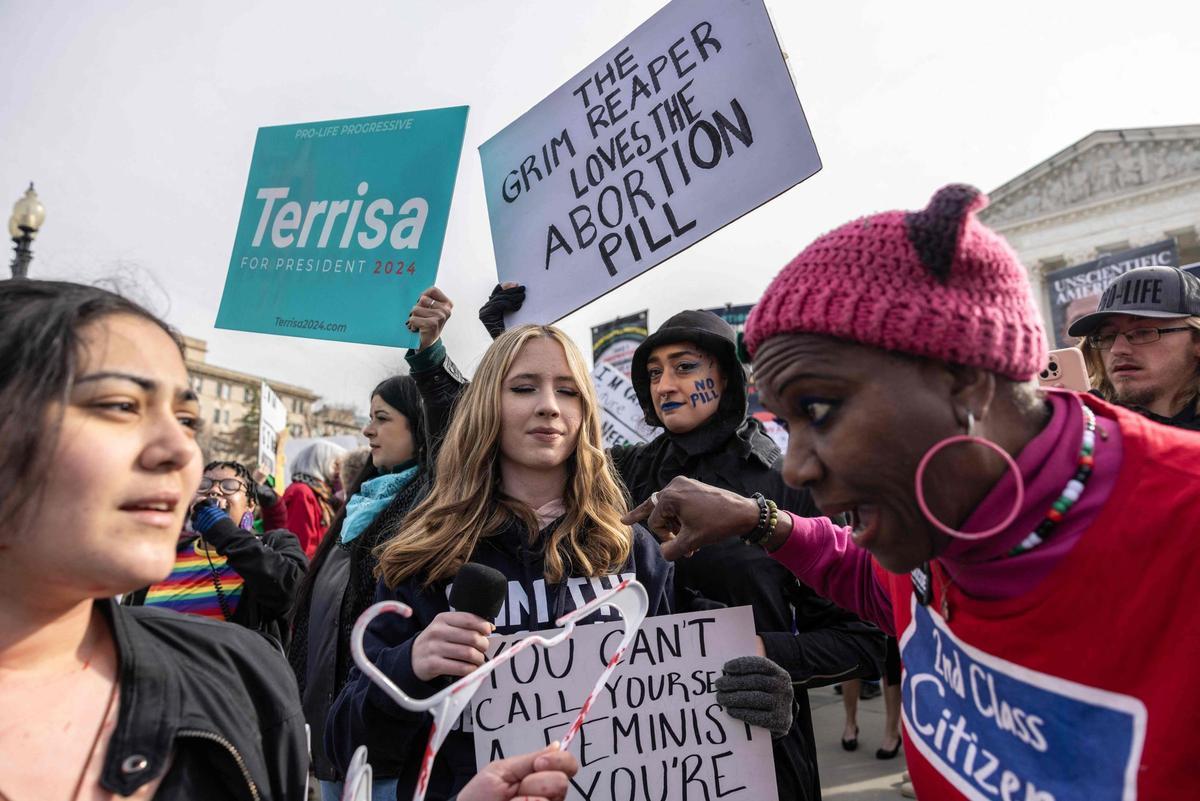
1070 494
921 577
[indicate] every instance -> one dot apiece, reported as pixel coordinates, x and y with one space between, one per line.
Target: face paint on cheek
706 392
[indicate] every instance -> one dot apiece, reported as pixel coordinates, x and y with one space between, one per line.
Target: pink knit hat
935 283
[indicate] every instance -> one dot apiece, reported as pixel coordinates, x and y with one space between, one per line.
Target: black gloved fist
266 494
756 690
502 301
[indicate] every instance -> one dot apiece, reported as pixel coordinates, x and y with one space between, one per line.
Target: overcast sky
137 123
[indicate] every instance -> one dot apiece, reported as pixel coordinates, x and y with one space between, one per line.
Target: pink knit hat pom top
935 283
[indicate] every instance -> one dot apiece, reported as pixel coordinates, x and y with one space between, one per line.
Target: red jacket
304 516
1083 688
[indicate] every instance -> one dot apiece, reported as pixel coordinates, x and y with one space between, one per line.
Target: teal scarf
371 499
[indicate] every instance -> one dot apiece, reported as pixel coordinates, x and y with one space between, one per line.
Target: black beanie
712 334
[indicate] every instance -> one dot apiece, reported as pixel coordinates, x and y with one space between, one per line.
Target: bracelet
768 518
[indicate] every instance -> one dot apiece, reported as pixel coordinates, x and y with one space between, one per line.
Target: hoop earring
987 443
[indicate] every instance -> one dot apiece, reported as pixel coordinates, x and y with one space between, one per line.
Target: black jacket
212 703
343 584
817 642
1187 419
395 738
272 566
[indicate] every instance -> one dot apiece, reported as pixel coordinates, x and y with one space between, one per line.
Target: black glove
266 494
756 690
502 301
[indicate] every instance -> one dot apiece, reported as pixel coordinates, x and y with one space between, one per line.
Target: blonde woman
522 485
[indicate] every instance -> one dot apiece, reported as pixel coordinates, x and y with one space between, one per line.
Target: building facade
228 396
1109 193
335 421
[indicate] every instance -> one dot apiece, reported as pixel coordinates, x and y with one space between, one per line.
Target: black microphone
479 589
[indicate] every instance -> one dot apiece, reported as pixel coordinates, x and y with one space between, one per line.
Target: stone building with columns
1108 193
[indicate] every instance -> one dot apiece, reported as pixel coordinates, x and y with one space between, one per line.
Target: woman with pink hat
1031 550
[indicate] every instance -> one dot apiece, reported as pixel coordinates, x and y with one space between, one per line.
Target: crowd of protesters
170 630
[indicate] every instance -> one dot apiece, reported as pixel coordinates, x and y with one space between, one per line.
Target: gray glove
756 690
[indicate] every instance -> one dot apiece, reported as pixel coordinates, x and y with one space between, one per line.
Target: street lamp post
27 217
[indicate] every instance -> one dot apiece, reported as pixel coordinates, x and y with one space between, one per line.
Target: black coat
817 642
213 704
272 566
1187 419
342 584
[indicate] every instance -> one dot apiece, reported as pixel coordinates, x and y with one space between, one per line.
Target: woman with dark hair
98 460
341 582
223 568
1033 551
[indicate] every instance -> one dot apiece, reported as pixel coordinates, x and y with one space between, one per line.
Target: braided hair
242 472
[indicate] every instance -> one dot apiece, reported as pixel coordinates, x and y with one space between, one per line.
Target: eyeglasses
225 486
1138 336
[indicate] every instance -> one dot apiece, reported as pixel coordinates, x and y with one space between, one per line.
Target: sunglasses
225 486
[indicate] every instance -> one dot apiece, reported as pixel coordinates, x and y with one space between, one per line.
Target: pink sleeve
823 556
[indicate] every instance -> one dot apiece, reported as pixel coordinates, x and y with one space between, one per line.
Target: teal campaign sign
342 226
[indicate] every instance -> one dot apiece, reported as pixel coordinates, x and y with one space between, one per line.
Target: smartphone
1065 369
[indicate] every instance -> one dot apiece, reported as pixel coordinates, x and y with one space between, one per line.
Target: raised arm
438 379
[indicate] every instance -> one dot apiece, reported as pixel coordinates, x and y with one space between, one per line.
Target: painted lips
671 406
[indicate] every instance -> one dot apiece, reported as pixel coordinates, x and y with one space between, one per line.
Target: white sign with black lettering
624 420
688 123
272 418
655 730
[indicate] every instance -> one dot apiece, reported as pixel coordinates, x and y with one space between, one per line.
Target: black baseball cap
1144 292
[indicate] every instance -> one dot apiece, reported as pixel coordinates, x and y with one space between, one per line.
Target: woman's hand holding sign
687 515
428 317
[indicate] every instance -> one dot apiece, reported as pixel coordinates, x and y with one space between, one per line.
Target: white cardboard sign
272 418
624 421
655 731
682 127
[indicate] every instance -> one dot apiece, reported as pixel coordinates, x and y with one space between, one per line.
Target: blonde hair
1098 376
466 503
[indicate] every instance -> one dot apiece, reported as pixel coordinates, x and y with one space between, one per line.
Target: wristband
768 518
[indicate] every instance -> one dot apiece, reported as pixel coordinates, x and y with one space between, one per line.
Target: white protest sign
623 422
687 124
655 731
272 418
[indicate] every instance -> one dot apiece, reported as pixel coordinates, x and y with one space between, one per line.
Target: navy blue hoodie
395 738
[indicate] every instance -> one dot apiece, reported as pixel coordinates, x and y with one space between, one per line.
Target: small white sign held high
687 124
